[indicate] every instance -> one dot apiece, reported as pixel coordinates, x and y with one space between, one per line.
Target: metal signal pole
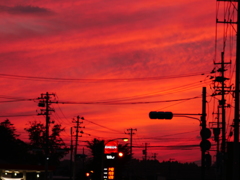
71 156
204 126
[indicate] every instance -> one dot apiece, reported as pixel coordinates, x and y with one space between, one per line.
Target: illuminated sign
108 173
110 157
111 173
111 147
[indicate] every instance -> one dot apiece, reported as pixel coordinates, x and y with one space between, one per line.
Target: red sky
108 51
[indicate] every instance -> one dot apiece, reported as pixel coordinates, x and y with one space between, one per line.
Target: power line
21 77
19 115
105 127
18 100
122 103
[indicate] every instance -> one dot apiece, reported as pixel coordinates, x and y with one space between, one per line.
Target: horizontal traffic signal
160 115
205 144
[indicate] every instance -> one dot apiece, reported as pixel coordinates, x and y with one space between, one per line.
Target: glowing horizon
111 62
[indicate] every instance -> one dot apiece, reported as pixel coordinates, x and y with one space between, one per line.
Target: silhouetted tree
96 146
12 150
37 136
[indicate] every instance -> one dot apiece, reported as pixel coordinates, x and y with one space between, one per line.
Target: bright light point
120 154
38 175
125 139
4 178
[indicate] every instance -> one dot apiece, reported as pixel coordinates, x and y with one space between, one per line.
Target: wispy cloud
107 39
25 10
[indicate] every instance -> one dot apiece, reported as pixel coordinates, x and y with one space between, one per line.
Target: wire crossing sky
111 62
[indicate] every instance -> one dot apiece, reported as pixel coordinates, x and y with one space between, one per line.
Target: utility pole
232 7
222 103
222 91
204 126
218 127
131 133
154 156
76 144
71 155
237 106
45 101
145 151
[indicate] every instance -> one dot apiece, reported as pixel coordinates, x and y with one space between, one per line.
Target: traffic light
160 115
87 174
205 144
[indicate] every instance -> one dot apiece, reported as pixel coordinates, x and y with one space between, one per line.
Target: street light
123 139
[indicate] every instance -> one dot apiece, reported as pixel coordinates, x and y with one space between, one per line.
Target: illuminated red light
120 154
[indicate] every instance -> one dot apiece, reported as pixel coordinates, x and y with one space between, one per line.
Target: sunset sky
111 62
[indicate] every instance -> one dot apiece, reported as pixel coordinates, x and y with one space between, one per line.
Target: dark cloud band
25 10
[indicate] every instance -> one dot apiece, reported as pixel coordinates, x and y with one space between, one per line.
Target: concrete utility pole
222 91
154 156
145 152
71 155
233 9
204 126
76 145
44 101
222 103
237 106
131 134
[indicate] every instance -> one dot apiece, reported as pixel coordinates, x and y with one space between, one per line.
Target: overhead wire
18 115
124 103
114 130
228 35
153 94
11 76
178 89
